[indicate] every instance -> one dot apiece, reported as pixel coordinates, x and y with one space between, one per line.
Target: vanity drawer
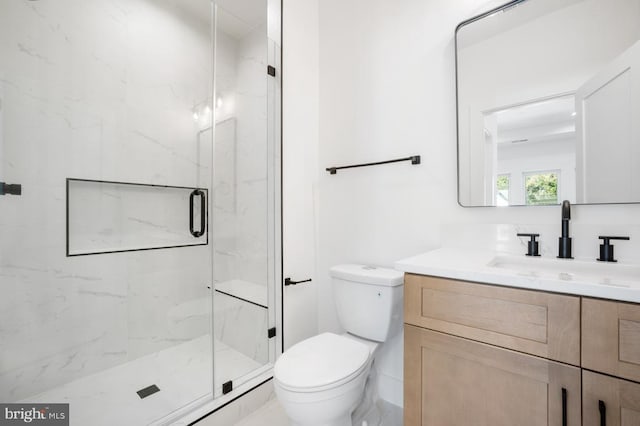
538 323
611 338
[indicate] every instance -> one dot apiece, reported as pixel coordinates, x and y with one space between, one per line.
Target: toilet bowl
321 380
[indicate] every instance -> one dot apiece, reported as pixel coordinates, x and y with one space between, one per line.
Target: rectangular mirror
548 103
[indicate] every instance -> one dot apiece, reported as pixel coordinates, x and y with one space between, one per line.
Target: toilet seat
321 362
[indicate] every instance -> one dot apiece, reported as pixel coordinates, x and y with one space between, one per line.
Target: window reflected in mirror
524 139
541 188
502 190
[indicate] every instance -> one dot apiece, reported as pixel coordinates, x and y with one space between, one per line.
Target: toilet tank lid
368 274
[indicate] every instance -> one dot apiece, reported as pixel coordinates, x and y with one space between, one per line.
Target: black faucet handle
606 248
532 245
533 236
606 238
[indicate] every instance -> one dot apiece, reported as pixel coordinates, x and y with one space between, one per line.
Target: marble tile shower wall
242 326
225 157
240 187
240 210
252 191
100 90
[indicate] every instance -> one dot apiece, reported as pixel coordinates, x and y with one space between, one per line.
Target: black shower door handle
203 213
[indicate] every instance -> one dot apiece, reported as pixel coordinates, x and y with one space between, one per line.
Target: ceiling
538 121
498 23
236 18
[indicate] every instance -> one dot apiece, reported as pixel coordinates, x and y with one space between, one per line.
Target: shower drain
149 390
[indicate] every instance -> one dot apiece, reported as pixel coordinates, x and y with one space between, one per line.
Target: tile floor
272 414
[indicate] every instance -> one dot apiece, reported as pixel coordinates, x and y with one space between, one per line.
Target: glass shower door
105 251
243 194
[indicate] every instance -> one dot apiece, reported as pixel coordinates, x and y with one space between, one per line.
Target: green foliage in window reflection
503 182
542 189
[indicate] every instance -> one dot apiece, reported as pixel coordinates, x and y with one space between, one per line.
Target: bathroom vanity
498 340
501 340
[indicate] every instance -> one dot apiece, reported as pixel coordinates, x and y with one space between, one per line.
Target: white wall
300 166
387 90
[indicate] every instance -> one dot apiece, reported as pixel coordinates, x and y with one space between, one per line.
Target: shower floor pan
182 374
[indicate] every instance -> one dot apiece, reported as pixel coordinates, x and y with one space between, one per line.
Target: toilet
321 380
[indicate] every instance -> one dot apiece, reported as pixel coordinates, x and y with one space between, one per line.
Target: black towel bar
415 159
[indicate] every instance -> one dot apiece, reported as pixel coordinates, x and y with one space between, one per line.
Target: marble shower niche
109 121
111 217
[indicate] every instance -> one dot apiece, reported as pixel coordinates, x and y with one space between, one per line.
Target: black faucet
564 246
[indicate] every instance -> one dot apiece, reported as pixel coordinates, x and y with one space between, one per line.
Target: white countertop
584 277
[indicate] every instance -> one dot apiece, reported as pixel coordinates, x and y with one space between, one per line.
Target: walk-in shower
139 203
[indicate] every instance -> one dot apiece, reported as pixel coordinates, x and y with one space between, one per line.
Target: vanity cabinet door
611 338
609 401
534 322
451 381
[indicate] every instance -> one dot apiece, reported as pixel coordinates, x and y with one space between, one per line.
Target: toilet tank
368 300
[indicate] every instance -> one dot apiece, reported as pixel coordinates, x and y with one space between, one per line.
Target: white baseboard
391 389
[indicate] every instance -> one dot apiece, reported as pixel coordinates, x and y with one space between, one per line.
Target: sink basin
570 270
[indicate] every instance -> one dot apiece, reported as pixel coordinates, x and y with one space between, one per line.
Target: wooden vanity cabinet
485 355
611 338
609 401
453 381
610 345
478 354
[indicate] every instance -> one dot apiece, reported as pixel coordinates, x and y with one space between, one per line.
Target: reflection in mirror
547 92
535 152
